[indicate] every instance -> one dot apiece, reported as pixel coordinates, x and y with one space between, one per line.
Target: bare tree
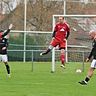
40 15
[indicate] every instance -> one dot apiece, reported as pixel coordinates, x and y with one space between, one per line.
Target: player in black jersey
92 35
3 48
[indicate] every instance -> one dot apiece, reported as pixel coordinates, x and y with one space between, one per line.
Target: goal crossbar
22 31
75 15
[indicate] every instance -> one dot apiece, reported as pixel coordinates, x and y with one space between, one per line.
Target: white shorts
3 58
93 64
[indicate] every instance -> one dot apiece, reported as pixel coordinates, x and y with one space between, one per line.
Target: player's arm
54 32
90 55
68 31
53 35
4 48
5 45
67 35
5 33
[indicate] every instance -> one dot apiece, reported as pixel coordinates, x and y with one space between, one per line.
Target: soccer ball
78 71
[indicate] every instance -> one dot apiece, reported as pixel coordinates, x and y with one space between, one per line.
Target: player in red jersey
60 35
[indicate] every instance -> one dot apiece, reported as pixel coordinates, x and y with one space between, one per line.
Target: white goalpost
66 51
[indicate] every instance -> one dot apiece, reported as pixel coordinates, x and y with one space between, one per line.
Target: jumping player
3 48
92 35
59 37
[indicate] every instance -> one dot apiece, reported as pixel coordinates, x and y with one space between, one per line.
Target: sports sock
62 58
87 79
7 68
47 51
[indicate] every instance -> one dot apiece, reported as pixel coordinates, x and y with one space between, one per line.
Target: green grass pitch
41 82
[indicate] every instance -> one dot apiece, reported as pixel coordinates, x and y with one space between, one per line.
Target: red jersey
61 30
0 35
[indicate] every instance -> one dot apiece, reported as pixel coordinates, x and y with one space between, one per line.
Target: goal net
78 44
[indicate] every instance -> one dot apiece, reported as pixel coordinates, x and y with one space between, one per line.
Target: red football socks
62 58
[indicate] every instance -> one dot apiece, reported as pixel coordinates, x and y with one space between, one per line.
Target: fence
33 56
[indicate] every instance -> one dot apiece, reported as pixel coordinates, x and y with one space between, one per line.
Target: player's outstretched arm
10 26
5 33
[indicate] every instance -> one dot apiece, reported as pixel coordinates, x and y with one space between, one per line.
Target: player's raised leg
51 46
47 51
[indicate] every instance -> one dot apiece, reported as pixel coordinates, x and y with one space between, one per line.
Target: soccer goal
78 42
